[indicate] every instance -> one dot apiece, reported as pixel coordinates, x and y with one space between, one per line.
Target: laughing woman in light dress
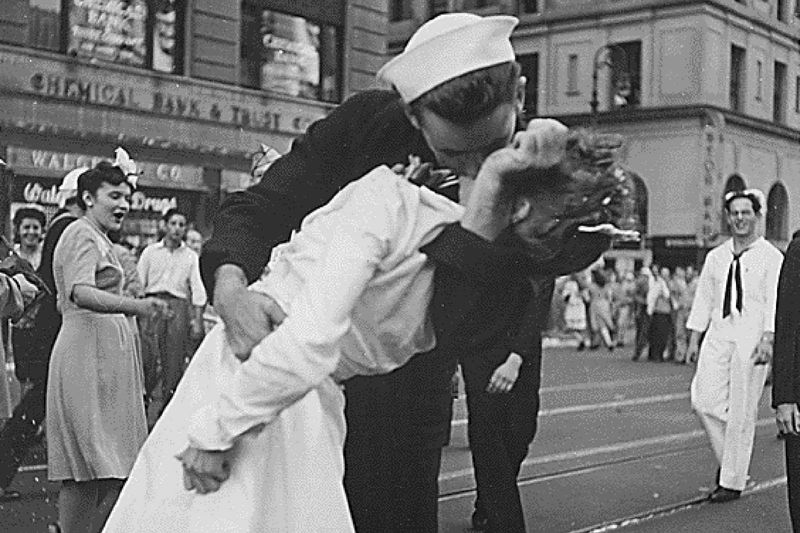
95 412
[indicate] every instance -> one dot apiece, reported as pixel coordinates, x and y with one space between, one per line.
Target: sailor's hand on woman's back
248 316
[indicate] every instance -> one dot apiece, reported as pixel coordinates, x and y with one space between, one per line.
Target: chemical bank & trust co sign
146 92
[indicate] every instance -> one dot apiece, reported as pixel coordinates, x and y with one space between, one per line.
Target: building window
139 33
290 54
737 78
530 6
167 49
759 80
797 94
572 74
470 5
108 31
44 24
783 11
400 10
530 69
779 93
777 223
626 74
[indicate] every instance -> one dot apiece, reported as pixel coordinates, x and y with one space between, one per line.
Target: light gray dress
95 412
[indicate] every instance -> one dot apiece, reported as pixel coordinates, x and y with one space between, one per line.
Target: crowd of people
412 231
603 307
81 360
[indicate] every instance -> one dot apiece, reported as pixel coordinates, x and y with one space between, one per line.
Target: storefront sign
56 164
36 192
143 93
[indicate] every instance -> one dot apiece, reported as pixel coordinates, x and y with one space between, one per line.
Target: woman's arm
299 354
101 301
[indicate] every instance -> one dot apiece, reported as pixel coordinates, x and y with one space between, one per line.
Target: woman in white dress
356 289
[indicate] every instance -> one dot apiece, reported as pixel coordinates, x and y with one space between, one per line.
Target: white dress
356 290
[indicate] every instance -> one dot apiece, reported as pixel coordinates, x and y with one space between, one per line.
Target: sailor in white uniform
735 306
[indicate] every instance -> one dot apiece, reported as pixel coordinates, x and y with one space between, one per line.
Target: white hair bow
127 165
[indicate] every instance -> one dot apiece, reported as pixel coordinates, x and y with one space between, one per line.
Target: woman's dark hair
28 212
91 180
471 96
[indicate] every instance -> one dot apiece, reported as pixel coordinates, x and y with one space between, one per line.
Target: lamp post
598 62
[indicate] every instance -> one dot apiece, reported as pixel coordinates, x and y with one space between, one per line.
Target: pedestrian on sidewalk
659 311
575 311
601 317
678 286
735 306
786 373
95 414
641 318
170 271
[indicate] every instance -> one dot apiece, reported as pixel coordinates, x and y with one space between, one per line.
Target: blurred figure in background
623 311
659 309
25 428
680 290
575 310
194 240
641 318
29 225
30 364
601 318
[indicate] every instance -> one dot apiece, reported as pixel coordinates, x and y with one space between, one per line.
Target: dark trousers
22 431
792 445
660 328
501 427
166 341
397 425
642 321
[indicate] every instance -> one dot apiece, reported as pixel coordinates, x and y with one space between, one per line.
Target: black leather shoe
480 522
722 495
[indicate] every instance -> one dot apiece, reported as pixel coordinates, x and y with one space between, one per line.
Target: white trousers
725 392
286 478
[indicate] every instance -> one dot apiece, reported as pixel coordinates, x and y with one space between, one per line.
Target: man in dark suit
786 372
452 114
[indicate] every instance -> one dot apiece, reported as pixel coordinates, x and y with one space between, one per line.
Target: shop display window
139 33
290 54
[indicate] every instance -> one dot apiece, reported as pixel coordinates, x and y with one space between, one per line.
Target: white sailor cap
446 47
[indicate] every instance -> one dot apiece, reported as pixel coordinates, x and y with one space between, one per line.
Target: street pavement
617 449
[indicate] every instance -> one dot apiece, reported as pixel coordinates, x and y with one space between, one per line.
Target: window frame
573 69
738 79
65 8
258 6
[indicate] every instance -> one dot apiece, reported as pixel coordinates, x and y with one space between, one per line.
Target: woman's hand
204 471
